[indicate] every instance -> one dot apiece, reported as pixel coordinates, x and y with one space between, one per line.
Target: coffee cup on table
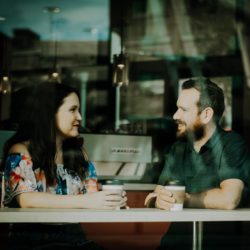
116 185
177 188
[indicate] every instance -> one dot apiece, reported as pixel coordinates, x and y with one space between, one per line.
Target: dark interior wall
246 114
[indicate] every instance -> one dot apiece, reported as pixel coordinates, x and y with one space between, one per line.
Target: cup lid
113 182
175 183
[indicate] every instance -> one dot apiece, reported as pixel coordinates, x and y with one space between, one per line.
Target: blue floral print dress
20 177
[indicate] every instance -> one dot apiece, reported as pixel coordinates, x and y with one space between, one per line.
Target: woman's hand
108 199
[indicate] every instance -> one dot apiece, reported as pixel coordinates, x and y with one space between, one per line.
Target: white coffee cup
116 185
179 195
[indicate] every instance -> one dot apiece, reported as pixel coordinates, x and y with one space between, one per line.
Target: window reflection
63 40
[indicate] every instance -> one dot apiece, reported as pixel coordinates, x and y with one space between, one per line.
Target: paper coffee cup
179 195
113 185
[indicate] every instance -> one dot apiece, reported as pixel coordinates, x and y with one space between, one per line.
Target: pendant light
54 75
5 83
120 70
120 61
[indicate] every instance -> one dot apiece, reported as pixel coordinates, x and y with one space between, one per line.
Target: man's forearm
213 198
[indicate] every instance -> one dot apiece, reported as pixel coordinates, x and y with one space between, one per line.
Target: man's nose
79 117
176 115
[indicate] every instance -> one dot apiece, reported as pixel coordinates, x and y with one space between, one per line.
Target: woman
46 167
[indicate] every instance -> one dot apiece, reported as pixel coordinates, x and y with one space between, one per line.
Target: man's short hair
211 95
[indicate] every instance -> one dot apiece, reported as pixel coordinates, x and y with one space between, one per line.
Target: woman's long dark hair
38 127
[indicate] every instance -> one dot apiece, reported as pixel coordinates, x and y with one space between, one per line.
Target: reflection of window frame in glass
147 89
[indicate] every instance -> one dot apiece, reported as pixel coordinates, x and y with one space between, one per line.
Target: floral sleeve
90 185
19 176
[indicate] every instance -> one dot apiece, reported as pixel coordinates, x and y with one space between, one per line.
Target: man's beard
194 134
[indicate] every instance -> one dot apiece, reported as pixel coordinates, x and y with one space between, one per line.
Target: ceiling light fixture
54 75
120 61
120 70
5 85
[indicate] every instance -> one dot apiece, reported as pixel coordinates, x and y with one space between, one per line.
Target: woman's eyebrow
74 106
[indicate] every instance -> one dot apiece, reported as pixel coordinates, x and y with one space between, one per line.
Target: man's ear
207 115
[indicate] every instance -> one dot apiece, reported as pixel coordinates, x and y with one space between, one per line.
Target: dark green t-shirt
223 157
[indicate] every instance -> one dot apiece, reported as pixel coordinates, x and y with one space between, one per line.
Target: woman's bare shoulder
21 147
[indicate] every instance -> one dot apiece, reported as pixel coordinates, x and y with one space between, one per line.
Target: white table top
31 215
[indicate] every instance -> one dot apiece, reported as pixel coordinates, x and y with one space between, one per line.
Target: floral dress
20 177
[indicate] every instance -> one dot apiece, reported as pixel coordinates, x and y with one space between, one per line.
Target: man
212 163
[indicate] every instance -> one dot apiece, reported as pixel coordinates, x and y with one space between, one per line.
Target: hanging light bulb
54 76
5 85
120 70
120 61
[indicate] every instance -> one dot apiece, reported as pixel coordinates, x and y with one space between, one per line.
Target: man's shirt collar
210 143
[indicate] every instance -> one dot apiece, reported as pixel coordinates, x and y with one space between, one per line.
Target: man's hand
160 198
